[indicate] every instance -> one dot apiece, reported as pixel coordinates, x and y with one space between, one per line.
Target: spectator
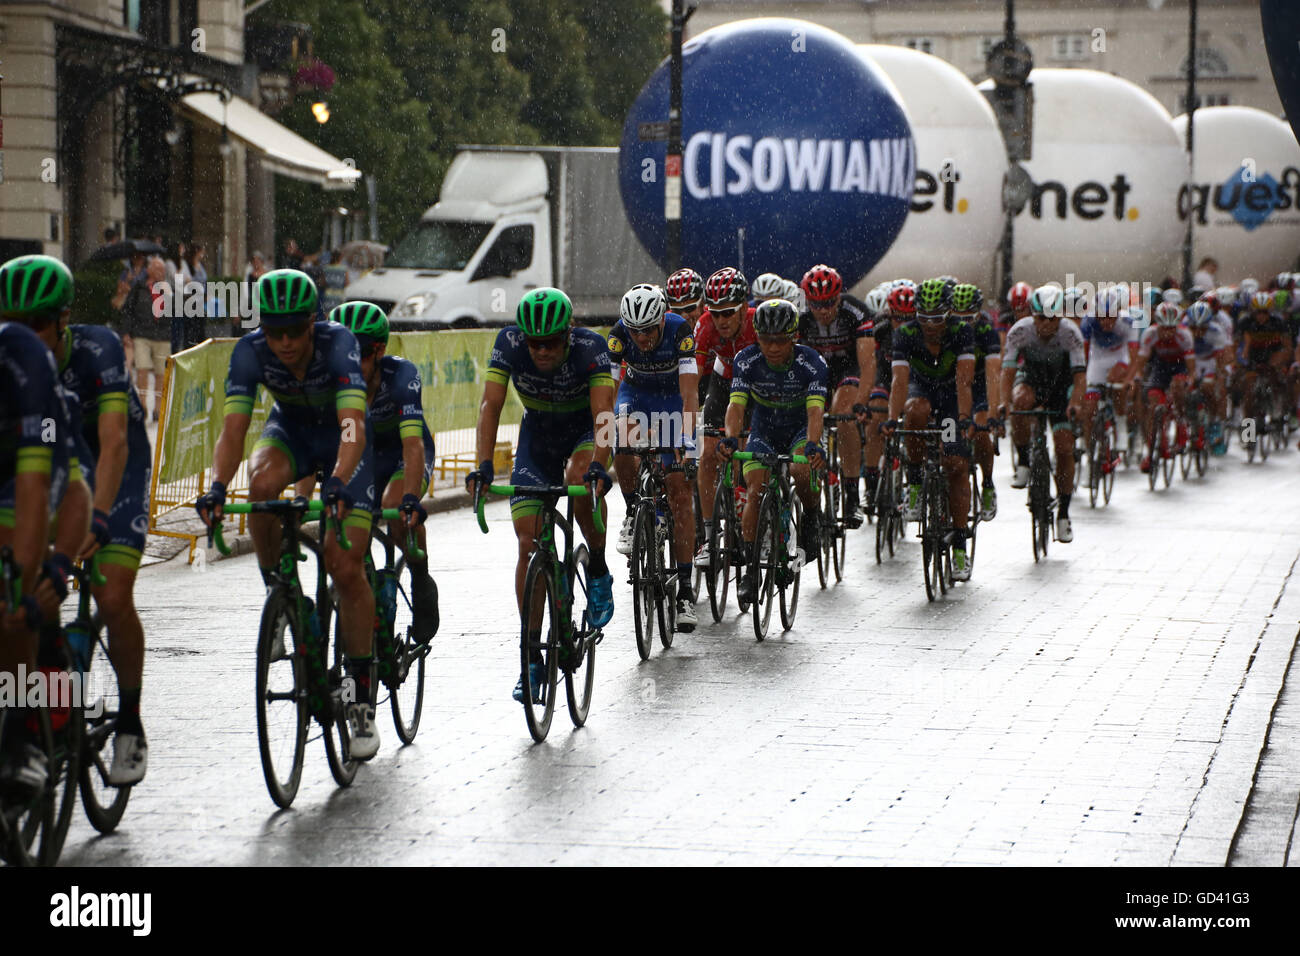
110 236
142 332
256 267
1207 273
196 286
195 254
292 258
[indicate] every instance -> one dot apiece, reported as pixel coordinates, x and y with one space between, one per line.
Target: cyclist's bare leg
269 472
582 514
801 476
116 601
850 444
754 482
683 505
916 414
983 446
356 600
958 470
707 476
1063 441
527 528
1023 399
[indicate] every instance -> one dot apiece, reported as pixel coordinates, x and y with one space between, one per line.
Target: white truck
510 219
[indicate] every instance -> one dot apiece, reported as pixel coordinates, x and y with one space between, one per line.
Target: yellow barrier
451 364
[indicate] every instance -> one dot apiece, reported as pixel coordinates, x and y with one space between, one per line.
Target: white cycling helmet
1172 296
768 286
877 301
1249 287
793 294
643 306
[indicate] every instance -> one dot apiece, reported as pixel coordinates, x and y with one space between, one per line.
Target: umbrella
363 254
125 250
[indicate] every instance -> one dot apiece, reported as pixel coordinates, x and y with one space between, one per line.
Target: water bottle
78 639
388 597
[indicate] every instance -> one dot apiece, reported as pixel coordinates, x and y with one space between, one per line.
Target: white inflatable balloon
956 216
1107 166
1245 195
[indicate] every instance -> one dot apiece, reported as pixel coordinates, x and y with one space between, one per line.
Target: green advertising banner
452 365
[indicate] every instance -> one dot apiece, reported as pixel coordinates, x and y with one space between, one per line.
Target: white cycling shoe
1021 479
130 760
1064 533
624 545
364 742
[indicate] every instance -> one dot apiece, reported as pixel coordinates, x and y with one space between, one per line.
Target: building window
1072 46
1205 99
1209 62
924 44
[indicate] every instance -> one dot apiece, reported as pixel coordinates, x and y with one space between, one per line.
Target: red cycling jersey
714 353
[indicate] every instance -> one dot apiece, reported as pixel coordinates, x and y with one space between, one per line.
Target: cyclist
40 453
318 422
769 285
1016 309
1266 348
875 373
115 460
684 290
659 386
1167 354
836 325
563 378
1043 365
967 305
1110 340
933 371
787 383
403 446
1212 347
726 328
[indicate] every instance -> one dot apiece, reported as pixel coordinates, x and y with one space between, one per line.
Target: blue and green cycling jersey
397 413
331 384
780 397
552 398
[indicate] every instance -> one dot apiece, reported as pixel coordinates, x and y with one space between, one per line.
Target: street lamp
321 111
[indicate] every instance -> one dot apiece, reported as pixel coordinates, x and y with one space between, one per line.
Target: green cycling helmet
545 311
285 297
34 287
365 320
932 297
966 298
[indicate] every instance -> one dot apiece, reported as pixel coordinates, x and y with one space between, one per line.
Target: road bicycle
889 499
1103 448
727 552
935 527
832 543
300 671
652 564
554 626
775 556
1264 429
976 514
1042 506
1163 446
1196 450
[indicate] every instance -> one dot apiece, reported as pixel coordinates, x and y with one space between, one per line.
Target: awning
282 150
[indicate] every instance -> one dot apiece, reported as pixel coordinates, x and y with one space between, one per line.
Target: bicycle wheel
927 539
406 692
539 596
839 540
1094 470
1263 433
338 735
580 669
884 515
668 582
790 568
698 575
768 539
281 699
1168 460
1039 502
24 823
1154 445
722 547
104 804
1187 454
827 510
69 727
974 521
941 550
1202 447
644 574
1108 446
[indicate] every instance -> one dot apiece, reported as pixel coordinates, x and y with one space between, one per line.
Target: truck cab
475 253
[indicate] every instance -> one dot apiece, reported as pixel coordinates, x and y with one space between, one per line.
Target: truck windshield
440 244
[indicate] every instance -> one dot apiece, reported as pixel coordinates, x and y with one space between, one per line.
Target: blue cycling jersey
781 396
332 382
556 397
94 371
656 369
37 430
1117 338
397 412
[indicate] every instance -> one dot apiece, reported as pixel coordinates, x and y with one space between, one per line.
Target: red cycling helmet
821 283
684 286
902 301
726 287
1018 297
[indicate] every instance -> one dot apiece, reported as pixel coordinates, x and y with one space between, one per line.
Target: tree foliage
415 78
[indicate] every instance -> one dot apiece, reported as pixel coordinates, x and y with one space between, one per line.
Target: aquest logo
1250 199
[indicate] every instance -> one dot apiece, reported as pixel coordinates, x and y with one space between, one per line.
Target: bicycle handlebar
535 491
278 506
754 456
